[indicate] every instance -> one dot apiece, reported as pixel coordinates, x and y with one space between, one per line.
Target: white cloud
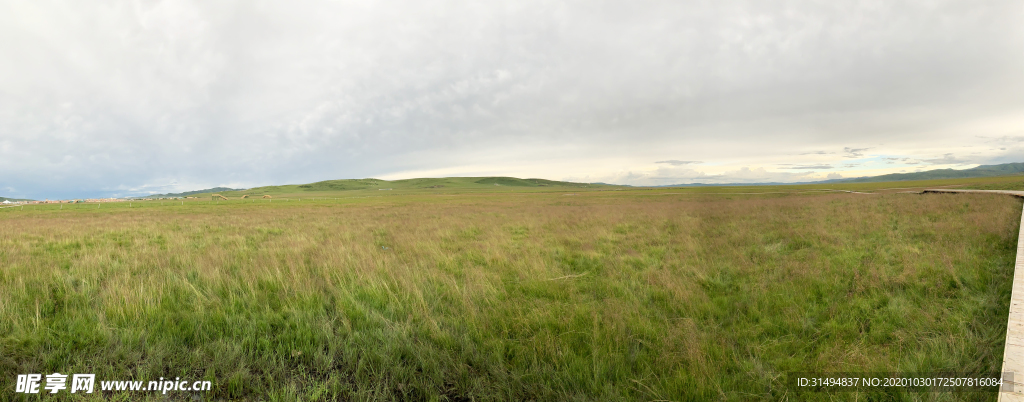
675 175
675 162
947 159
132 96
810 167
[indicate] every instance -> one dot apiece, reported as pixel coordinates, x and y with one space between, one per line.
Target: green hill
514 182
190 193
443 183
342 185
1004 169
2 199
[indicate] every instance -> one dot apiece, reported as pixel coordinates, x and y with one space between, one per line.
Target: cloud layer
156 96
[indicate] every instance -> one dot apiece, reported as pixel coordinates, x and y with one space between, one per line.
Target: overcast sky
127 98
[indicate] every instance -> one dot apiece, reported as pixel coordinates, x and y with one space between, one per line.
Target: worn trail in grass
600 296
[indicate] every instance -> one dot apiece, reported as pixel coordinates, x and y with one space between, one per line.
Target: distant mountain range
406 184
1004 169
2 199
375 184
490 182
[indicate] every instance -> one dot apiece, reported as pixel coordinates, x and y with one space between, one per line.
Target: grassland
427 294
1017 185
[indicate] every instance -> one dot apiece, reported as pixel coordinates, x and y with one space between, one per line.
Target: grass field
621 294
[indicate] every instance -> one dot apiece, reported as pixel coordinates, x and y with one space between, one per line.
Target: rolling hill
421 184
189 193
2 199
490 183
1004 169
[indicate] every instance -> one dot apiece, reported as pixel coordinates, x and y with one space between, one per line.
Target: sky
121 98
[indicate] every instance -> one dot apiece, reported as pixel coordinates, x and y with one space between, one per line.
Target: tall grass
533 297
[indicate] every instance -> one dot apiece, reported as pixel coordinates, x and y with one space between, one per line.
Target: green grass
638 294
1017 185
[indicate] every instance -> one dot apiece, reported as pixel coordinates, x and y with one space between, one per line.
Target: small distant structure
6 202
218 196
267 196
